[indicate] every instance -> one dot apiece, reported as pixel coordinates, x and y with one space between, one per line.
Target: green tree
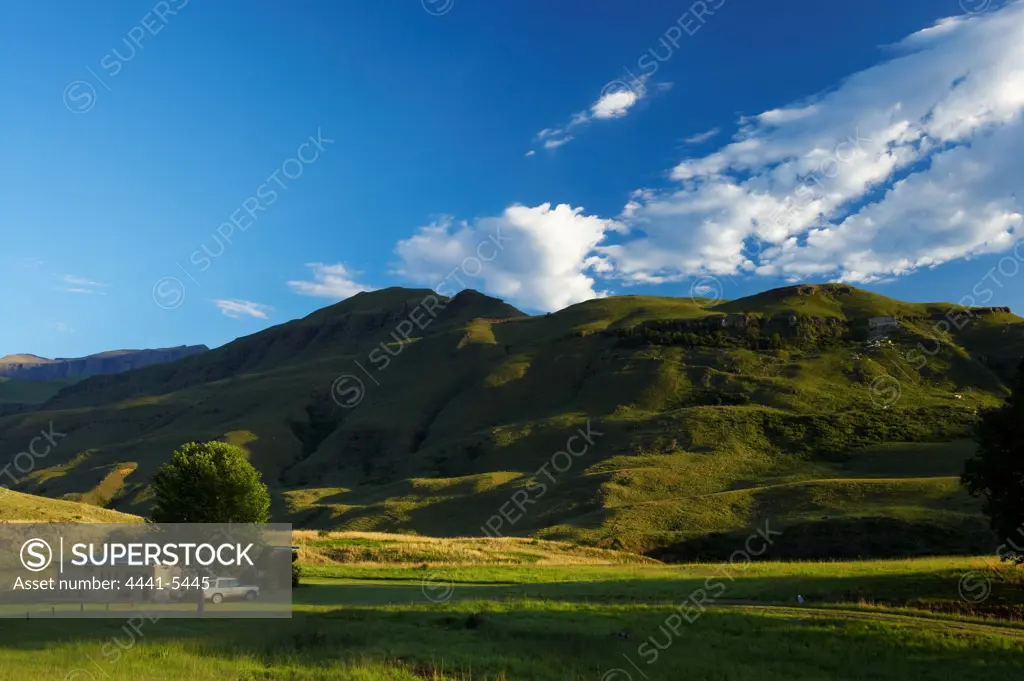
209 482
996 472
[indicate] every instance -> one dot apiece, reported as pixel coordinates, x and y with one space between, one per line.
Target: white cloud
329 281
554 143
239 308
80 281
964 205
538 258
781 116
701 137
908 164
615 101
81 285
531 152
86 291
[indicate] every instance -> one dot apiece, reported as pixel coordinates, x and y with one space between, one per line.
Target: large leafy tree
996 472
209 482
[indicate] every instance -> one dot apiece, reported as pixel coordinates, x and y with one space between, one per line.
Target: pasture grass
556 623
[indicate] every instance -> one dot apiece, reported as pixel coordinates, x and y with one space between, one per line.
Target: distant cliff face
32 368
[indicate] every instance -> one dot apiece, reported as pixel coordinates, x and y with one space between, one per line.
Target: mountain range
835 414
34 368
27 380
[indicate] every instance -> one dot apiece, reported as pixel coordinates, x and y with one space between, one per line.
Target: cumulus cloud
540 258
329 281
242 308
908 164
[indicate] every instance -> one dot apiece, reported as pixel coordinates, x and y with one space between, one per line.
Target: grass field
869 620
375 606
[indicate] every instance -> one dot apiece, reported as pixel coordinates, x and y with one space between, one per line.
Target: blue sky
725 146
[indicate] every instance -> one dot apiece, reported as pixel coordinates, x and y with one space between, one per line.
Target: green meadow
901 619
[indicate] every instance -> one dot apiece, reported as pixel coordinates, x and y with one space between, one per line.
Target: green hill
828 300
18 507
712 418
17 391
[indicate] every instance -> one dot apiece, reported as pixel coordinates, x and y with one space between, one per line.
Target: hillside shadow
846 539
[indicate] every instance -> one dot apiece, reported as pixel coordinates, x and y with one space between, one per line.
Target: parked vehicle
229 588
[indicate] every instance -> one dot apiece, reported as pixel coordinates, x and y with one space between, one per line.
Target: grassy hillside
15 391
707 419
830 301
18 507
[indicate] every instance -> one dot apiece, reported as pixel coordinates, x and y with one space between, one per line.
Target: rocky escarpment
33 368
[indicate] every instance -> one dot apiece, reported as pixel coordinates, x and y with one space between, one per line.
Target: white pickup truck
224 588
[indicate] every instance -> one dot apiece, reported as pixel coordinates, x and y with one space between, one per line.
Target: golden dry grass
18 507
316 548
